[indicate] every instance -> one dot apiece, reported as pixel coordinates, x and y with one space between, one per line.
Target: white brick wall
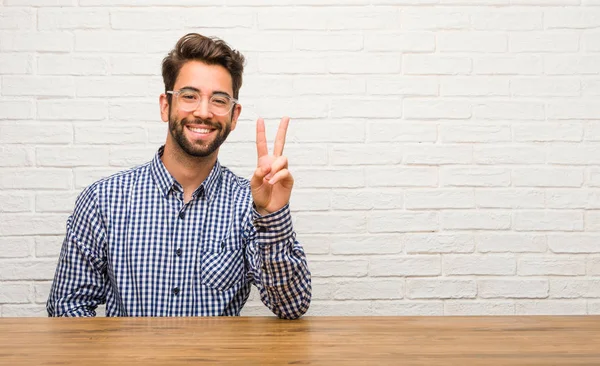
446 152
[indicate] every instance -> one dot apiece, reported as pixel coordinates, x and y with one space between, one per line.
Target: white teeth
199 130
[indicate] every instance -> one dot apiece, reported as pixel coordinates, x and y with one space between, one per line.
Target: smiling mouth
203 130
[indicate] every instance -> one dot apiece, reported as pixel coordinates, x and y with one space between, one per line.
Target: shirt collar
165 181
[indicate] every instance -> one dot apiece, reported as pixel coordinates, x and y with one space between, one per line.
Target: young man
182 235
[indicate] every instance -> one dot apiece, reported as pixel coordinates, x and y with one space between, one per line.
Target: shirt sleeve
277 264
79 280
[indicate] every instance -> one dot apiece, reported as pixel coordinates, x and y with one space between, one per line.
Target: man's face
199 133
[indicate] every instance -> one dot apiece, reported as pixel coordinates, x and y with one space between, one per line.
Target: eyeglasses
189 100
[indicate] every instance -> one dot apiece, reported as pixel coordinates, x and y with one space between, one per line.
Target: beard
199 149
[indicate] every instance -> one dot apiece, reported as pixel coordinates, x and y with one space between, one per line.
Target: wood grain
525 340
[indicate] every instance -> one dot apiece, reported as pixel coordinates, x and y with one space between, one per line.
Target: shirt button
178 252
181 215
175 290
261 229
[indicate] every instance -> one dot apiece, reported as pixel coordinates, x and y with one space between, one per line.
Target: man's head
201 74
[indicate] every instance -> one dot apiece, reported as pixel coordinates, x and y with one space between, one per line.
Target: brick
553 87
55 201
16 63
71 156
511 243
16 156
551 266
74 18
441 289
570 64
593 306
509 154
409 266
402 221
328 85
39 2
474 133
134 19
381 131
572 288
87 176
329 42
509 198
333 131
104 134
128 157
440 243
479 265
470 41
550 307
474 86
277 107
305 63
548 221
91 110
403 42
593 266
593 179
27 270
436 109
475 220
500 110
573 109
590 41
32 224
438 155
590 88
16 109
43 86
478 308
438 198
17 19
362 244
48 246
381 198
366 108
123 41
434 19
339 268
16 247
41 291
407 308
435 65
138 111
15 293
474 177
371 63
573 18
546 2
246 42
592 221
573 198
508 65
322 223
136 65
123 87
24 133
574 243
546 132
310 200
54 64
22 311
548 177
547 41
509 20
401 177
35 178
402 85
513 289
16 202
329 178
369 289
37 41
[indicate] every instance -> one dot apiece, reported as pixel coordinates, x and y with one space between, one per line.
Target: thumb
259 176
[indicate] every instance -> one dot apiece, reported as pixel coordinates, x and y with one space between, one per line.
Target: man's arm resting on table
79 284
278 264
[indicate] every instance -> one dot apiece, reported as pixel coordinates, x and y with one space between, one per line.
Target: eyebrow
218 92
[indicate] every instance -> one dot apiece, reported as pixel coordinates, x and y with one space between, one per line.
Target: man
182 235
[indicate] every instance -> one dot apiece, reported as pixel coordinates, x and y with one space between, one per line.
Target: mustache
199 121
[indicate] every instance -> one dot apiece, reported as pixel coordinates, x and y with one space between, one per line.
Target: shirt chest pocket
222 263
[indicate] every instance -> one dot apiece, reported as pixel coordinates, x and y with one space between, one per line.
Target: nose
203 109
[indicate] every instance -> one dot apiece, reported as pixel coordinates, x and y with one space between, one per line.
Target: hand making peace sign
272 182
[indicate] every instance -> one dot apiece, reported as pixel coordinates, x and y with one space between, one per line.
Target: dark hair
211 51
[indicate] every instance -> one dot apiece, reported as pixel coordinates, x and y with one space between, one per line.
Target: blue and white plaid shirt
133 244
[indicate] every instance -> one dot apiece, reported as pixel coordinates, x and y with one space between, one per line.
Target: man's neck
189 171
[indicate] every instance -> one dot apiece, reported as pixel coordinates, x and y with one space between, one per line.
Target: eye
188 96
220 101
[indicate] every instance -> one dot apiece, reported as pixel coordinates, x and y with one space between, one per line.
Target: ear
164 107
237 110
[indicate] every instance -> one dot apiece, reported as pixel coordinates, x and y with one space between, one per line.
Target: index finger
280 139
261 139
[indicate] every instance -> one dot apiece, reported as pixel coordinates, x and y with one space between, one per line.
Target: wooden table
531 340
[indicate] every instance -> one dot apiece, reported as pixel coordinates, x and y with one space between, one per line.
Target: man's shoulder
119 180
